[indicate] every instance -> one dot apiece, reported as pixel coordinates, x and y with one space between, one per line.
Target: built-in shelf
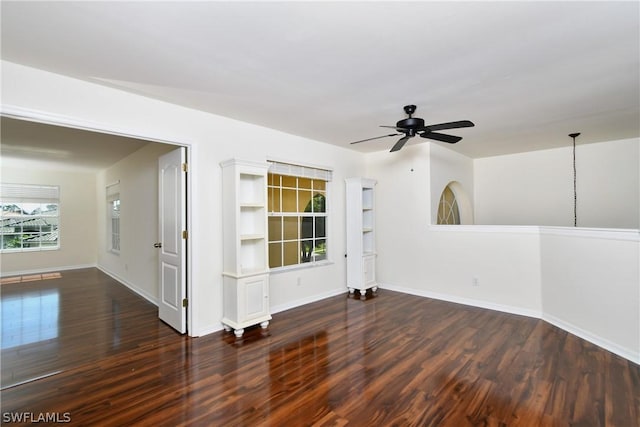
251 236
245 255
361 249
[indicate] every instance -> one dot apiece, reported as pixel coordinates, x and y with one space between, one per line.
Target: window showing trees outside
30 218
297 220
114 214
448 212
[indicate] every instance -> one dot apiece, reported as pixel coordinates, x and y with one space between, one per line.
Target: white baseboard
206 330
592 338
130 285
45 270
465 301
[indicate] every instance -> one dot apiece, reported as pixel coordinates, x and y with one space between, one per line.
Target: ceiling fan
412 126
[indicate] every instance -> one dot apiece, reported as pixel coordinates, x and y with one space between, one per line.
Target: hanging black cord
575 190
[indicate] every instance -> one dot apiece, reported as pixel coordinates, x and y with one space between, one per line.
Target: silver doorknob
157 245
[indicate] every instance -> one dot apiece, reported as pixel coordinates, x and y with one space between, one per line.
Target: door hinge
185 302
185 167
185 234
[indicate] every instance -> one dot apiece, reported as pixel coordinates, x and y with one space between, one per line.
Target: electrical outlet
475 282
298 282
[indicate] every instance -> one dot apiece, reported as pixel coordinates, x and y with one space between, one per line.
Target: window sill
20 251
300 267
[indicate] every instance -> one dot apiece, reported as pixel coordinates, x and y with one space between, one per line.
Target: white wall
441 262
591 286
77 218
212 139
137 263
608 187
536 188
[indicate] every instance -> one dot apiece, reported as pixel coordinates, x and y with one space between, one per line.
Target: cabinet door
369 270
256 297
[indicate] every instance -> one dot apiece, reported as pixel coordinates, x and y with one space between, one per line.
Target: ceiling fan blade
371 139
441 137
451 125
400 143
394 127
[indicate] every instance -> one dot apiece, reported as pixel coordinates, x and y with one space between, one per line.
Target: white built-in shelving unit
245 258
361 235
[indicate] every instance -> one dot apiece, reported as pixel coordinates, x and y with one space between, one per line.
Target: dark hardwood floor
392 359
54 322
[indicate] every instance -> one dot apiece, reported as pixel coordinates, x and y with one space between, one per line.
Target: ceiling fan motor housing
410 125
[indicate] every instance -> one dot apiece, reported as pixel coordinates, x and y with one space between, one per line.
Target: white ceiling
56 147
526 73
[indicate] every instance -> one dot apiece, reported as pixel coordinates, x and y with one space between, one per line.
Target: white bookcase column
245 277
361 237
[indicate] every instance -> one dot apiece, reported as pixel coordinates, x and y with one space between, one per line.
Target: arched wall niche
462 202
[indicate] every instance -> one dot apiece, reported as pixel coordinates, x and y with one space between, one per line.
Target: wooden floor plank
391 359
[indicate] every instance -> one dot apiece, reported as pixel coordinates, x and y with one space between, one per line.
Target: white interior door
172 239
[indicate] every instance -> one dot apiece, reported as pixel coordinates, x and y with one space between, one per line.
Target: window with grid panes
448 212
114 231
30 217
297 220
113 217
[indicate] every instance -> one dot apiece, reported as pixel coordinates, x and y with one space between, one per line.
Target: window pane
275 228
30 240
319 203
16 225
320 249
290 253
275 255
289 181
291 228
11 241
274 199
306 228
304 201
24 208
304 183
306 249
50 244
319 185
7 208
289 200
50 210
455 212
320 227
51 224
31 224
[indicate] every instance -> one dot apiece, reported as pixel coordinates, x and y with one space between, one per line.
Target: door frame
26 114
